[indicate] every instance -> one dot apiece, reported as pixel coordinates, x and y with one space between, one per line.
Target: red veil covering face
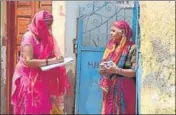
58 82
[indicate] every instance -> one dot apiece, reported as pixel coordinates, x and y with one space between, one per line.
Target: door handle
75 45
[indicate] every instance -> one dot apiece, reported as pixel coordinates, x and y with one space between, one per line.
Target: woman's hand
112 69
58 59
25 60
61 58
102 68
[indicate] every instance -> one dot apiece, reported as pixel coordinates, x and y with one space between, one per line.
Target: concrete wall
71 25
158 57
60 32
71 15
3 54
58 28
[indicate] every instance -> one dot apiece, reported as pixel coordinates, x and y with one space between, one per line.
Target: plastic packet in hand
102 66
108 64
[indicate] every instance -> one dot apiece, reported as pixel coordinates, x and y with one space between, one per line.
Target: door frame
10 53
80 49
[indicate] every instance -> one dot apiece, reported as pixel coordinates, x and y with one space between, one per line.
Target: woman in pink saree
117 78
33 89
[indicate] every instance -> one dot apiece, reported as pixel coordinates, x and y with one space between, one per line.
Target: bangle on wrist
119 71
46 61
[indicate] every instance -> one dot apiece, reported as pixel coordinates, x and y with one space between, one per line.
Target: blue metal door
93 32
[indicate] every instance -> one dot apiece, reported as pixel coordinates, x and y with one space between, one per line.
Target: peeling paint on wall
158 57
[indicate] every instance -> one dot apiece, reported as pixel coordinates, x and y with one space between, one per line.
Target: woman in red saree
33 89
117 82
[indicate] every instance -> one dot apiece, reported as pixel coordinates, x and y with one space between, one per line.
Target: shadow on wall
69 99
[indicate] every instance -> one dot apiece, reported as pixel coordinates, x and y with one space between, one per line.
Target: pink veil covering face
56 80
57 76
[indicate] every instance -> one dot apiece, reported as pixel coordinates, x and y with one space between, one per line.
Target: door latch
75 45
